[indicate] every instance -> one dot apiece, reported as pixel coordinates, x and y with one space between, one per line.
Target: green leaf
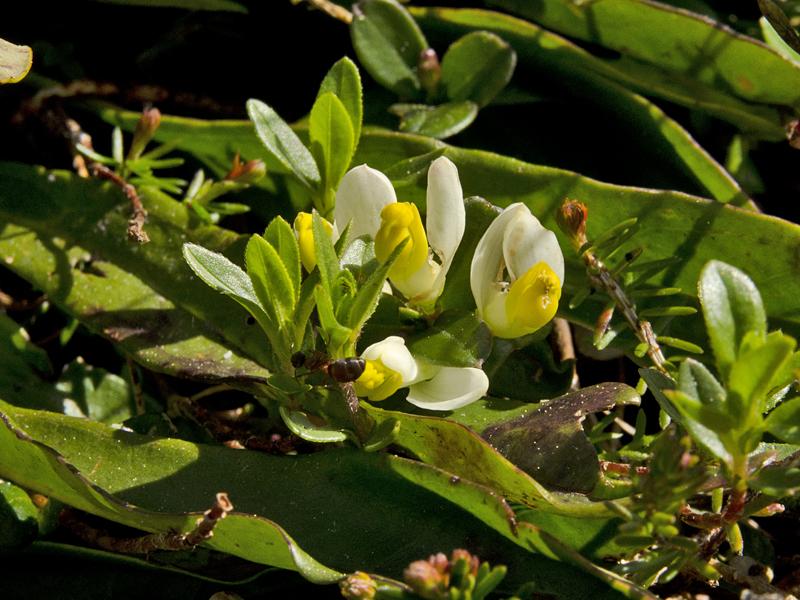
732 308
344 81
332 141
784 421
775 41
273 287
19 517
388 43
456 339
299 424
285 150
752 376
711 416
15 62
440 121
333 332
369 292
584 78
696 381
704 437
369 501
279 235
95 393
327 261
676 40
222 275
477 67
414 170
549 443
173 323
459 450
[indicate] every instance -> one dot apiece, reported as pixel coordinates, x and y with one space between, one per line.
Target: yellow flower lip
532 300
378 381
401 221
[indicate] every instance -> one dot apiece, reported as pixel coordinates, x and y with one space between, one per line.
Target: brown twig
329 8
136 230
572 220
145 544
622 468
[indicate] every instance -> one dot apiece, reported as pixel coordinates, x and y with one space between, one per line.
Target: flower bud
429 70
358 586
247 173
145 130
426 580
571 218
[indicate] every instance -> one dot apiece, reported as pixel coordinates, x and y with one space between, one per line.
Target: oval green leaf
388 43
477 67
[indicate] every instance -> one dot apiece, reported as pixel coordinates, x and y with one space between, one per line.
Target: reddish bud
571 218
247 173
146 128
429 70
358 586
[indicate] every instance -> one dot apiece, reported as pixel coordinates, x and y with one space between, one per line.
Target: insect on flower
344 371
341 370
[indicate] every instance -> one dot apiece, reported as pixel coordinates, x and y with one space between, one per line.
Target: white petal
449 389
445 217
488 257
527 242
362 194
394 354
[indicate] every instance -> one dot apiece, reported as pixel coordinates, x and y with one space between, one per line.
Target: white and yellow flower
367 201
516 274
391 366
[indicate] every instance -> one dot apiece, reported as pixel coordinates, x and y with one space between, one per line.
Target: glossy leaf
402 504
344 81
542 50
477 67
388 43
173 323
459 450
15 62
285 151
580 75
550 444
438 122
784 421
332 139
732 308
674 39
